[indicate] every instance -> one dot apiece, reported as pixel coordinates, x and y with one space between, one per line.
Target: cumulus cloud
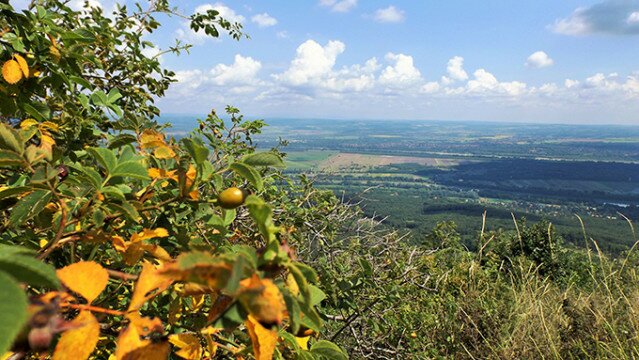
618 17
390 14
243 71
539 59
312 71
199 37
264 20
312 61
339 5
401 73
455 69
314 79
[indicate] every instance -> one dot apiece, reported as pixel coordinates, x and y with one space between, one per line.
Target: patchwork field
365 161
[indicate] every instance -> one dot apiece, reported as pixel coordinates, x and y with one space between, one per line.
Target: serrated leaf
249 173
13 307
29 206
132 169
15 191
10 158
86 278
80 81
38 110
10 140
127 210
113 192
198 151
113 95
266 158
121 140
309 272
29 270
79 342
8 250
328 350
104 157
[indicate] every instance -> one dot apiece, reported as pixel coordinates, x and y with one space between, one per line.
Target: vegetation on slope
118 241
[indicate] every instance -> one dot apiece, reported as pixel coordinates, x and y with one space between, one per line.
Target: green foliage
94 187
13 304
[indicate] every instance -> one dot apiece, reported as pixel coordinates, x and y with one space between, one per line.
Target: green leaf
13 307
294 311
237 273
121 140
266 158
317 295
127 210
80 81
302 284
29 270
11 192
262 214
113 192
40 111
249 173
309 272
198 151
29 206
132 169
328 350
8 250
104 157
90 175
10 158
10 140
113 96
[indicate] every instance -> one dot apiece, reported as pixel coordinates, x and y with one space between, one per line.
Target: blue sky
570 61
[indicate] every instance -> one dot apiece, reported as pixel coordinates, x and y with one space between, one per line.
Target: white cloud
225 12
455 69
312 61
390 14
402 73
617 17
430 87
243 71
569 83
264 20
339 5
314 80
199 37
538 60
282 34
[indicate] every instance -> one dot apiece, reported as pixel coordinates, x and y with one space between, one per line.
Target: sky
568 61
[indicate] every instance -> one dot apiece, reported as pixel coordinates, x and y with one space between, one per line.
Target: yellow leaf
302 342
292 285
189 345
211 345
27 123
43 243
150 283
164 152
11 72
263 339
23 65
53 50
263 299
136 341
149 234
151 139
78 343
86 278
